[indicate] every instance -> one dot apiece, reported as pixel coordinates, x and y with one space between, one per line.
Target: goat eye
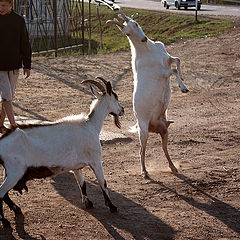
127 34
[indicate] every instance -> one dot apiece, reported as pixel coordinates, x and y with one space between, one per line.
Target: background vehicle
182 3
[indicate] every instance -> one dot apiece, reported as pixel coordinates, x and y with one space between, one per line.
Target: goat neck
138 42
138 47
98 113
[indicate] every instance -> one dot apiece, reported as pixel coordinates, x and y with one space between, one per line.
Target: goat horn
97 84
101 78
115 22
123 15
107 84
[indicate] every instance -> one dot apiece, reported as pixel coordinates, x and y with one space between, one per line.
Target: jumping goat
151 66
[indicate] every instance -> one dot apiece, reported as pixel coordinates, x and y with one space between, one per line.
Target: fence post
89 28
100 26
196 11
55 27
83 25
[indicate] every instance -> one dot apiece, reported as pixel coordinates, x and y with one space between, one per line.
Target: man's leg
2 116
7 105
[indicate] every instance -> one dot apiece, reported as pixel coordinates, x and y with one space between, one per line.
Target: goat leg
164 146
5 222
11 204
82 185
113 209
100 177
88 204
143 137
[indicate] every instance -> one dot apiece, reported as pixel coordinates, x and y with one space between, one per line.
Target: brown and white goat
70 144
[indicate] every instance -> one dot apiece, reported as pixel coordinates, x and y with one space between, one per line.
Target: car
182 3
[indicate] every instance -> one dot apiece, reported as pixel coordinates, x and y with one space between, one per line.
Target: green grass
220 2
167 28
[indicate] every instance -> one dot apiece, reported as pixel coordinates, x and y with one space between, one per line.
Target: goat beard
116 120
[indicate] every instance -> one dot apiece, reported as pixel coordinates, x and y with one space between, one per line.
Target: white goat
151 66
39 151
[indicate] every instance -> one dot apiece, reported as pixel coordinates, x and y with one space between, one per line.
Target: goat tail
134 128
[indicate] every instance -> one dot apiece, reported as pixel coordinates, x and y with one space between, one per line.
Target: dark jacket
15 48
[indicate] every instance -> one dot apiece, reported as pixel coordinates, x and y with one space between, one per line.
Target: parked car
182 3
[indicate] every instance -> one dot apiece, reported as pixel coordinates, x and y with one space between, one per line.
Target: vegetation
160 26
222 2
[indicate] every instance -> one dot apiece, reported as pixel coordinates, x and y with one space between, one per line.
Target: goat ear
94 88
95 92
109 88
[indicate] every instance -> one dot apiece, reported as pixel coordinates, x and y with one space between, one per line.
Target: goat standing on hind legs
70 144
151 66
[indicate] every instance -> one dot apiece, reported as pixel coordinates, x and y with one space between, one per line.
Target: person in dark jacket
15 53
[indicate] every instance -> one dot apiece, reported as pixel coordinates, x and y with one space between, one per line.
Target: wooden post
83 26
55 27
196 9
89 28
100 26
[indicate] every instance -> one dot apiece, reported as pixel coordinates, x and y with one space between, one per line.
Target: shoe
14 127
3 129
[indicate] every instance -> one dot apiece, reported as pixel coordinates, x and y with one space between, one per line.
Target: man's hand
26 72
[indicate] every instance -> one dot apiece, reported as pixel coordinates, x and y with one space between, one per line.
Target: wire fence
53 25
57 25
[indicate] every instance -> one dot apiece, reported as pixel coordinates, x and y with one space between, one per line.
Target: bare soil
201 202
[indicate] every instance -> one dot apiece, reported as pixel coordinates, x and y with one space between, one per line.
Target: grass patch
158 26
220 2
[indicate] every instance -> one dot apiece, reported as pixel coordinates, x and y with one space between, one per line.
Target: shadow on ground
132 218
218 209
6 233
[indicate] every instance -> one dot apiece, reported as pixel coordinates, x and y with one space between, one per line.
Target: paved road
158 6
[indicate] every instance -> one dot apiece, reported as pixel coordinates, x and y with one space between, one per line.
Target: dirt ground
201 202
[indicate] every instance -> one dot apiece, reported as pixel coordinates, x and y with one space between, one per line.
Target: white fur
151 66
68 144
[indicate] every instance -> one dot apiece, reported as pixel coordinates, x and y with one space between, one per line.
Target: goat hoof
184 90
145 175
26 188
174 170
113 209
88 204
6 223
